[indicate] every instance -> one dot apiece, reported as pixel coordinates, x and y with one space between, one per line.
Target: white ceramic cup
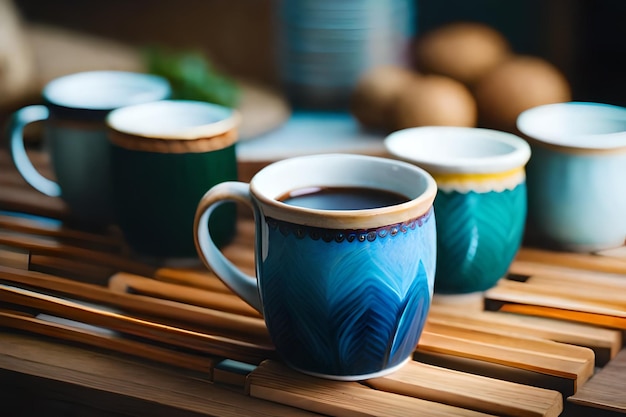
576 175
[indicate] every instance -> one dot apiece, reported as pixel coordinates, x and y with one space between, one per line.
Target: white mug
576 175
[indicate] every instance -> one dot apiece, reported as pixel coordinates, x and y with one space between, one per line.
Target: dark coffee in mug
342 198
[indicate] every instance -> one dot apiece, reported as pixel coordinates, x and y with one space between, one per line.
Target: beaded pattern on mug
339 236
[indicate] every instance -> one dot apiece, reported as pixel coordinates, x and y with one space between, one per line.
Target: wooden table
155 350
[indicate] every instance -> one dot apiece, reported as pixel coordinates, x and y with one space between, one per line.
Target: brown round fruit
375 92
464 51
518 84
434 100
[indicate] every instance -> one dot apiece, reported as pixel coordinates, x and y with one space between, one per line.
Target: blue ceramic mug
74 109
345 259
481 203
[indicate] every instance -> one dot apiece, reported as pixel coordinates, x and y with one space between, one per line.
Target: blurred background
245 39
584 38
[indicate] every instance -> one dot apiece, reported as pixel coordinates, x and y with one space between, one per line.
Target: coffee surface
342 198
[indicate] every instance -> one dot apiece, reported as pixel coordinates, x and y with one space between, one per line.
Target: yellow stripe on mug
496 181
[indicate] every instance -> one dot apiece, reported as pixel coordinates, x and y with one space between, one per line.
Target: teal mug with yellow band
165 155
73 109
481 200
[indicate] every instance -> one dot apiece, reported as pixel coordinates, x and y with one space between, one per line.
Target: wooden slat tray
145 332
82 287
564 366
39 377
564 292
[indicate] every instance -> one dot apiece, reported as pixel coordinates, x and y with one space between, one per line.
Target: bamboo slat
211 344
605 343
51 247
591 306
582 261
275 382
548 364
76 377
605 391
134 284
103 339
24 200
572 276
40 226
228 324
470 391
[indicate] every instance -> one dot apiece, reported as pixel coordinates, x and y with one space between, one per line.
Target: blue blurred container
324 46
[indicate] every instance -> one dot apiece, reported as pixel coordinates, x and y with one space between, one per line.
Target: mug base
591 248
472 300
377 374
581 248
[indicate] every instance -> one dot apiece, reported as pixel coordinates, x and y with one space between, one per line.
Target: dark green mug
165 155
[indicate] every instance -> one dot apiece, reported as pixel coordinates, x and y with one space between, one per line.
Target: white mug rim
532 123
220 119
266 193
69 90
444 149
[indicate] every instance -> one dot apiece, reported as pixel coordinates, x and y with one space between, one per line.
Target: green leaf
192 76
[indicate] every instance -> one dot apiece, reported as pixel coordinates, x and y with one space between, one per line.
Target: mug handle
24 165
242 284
